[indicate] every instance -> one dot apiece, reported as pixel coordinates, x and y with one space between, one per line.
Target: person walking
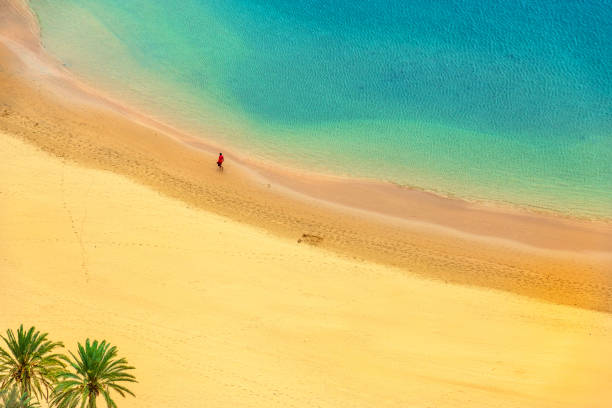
220 161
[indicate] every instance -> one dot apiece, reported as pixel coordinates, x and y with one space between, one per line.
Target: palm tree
97 370
29 362
13 399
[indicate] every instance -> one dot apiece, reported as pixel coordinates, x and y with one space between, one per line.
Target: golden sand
114 226
216 313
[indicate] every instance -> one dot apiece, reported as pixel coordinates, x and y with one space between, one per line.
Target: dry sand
216 313
114 226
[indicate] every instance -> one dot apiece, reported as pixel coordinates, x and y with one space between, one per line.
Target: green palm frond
95 370
29 362
12 398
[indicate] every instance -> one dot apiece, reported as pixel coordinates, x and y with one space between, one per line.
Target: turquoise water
494 100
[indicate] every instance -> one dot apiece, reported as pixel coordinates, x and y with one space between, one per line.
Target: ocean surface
508 101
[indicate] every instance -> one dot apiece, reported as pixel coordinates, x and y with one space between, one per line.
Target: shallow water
507 101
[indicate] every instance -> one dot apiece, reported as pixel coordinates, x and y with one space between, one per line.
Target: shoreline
289 171
488 246
349 192
563 184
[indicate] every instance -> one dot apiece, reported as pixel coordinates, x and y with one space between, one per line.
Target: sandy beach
265 287
212 310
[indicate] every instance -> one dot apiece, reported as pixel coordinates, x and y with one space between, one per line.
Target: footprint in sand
310 239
